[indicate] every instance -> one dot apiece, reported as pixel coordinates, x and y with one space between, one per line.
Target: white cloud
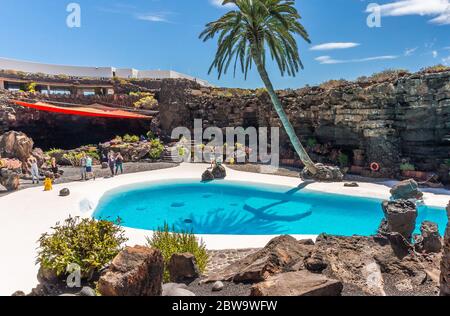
435 53
327 60
410 51
446 61
438 9
218 3
153 17
332 46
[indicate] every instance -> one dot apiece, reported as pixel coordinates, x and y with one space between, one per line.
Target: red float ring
374 167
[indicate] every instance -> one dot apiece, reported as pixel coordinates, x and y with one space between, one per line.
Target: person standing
34 169
83 166
89 168
111 162
119 163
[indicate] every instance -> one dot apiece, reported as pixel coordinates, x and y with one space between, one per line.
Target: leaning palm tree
245 33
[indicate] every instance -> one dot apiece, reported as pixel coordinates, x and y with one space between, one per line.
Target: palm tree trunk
304 157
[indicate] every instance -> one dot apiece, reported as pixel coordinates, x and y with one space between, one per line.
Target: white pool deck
26 214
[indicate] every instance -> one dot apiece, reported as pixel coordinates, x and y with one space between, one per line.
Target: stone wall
404 117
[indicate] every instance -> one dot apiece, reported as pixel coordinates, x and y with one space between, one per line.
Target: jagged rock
315 263
368 263
430 240
400 217
219 172
445 262
18 293
278 256
9 179
135 271
183 267
16 145
176 289
47 276
408 189
207 176
324 173
40 156
351 185
300 283
64 192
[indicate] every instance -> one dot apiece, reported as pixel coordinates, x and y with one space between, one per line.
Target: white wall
73 71
92 72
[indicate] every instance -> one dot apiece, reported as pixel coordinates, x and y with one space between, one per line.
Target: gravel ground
230 289
72 174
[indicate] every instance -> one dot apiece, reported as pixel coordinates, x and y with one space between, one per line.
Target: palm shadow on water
238 223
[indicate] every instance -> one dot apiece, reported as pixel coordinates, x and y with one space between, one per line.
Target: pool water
235 208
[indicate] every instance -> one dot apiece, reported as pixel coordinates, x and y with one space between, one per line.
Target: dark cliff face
406 117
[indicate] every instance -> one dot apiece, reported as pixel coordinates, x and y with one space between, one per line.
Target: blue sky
163 34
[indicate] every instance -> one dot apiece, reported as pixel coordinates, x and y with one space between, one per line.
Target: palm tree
245 33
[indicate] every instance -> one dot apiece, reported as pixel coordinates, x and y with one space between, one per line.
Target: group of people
115 163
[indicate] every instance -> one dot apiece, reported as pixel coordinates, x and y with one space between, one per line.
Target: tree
244 35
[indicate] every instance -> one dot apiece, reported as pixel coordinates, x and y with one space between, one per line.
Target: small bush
407 167
130 138
434 69
73 158
93 154
54 152
86 242
343 160
156 150
171 243
311 142
150 135
31 87
148 101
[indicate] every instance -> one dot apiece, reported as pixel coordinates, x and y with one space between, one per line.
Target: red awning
83 111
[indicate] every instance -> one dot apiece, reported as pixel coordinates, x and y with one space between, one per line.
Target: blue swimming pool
235 208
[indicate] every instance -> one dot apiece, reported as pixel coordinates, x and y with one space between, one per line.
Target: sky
163 34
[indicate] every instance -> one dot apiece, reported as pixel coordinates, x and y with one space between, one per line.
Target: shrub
388 74
93 154
150 135
171 243
73 158
311 142
130 138
86 242
406 166
343 160
156 150
54 152
146 102
31 87
435 69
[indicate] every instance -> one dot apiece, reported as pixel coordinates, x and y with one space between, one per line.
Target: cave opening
69 132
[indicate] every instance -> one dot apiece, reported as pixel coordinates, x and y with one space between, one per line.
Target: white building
92 72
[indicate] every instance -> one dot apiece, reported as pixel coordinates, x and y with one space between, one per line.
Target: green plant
150 135
447 162
435 69
156 150
130 138
89 243
93 154
311 142
31 87
54 152
170 243
406 166
147 102
74 158
343 160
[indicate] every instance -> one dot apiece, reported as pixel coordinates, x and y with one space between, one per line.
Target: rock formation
136 271
445 263
408 189
183 267
400 217
430 240
300 283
